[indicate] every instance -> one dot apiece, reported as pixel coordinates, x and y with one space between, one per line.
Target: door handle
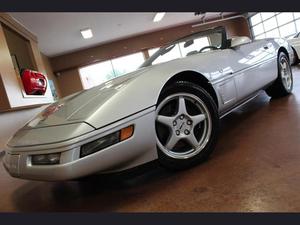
266 47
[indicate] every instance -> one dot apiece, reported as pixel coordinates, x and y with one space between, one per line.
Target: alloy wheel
183 125
286 74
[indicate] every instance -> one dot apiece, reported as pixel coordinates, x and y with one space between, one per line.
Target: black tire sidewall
277 89
188 87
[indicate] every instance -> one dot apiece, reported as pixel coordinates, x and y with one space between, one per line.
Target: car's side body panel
253 67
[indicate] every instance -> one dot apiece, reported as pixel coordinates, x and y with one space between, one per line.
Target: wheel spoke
286 81
191 139
284 75
182 106
283 65
166 120
172 141
198 118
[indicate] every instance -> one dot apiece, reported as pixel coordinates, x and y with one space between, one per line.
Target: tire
283 85
195 131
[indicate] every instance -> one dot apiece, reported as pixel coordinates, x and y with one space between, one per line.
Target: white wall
10 122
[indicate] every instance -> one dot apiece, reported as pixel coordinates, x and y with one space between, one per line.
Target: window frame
265 31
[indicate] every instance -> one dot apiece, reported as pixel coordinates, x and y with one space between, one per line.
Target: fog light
106 141
45 159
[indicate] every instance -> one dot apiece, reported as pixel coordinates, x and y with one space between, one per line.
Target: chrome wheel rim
286 74
187 126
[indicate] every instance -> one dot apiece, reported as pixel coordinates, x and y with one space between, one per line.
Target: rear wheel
186 125
283 85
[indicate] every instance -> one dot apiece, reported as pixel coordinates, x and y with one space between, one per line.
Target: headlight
106 141
45 159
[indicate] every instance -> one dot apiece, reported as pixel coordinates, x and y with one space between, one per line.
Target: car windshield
201 42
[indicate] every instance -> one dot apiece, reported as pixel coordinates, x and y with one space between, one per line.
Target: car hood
78 107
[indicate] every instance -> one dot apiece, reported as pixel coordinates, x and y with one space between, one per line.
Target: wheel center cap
182 125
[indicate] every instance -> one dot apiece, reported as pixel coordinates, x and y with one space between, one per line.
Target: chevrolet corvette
167 110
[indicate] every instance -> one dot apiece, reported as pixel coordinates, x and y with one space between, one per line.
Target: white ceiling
59 33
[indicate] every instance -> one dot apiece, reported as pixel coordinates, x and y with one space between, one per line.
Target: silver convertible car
169 109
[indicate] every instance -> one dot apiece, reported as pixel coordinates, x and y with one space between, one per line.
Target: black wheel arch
196 78
295 54
284 50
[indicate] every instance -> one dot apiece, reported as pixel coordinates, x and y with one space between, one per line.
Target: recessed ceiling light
86 33
158 16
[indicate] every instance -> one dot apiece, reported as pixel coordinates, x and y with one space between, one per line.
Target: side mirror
236 41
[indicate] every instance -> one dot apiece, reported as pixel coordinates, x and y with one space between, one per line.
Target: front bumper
138 149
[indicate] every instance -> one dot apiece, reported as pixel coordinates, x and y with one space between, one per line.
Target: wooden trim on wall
146 54
16 26
4 102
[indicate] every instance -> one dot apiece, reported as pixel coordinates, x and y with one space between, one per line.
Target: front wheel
186 125
283 85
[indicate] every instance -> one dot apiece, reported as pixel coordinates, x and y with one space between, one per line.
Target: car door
242 71
222 77
255 66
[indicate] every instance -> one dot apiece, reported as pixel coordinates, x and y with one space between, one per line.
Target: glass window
297 15
273 24
262 36
127 64
284 18
174 53
273 34
287 30
197 43
196 46
96 74
258 29
99 73
270 24
267 15
255 19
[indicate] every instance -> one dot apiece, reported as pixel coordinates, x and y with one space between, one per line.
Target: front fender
138 94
